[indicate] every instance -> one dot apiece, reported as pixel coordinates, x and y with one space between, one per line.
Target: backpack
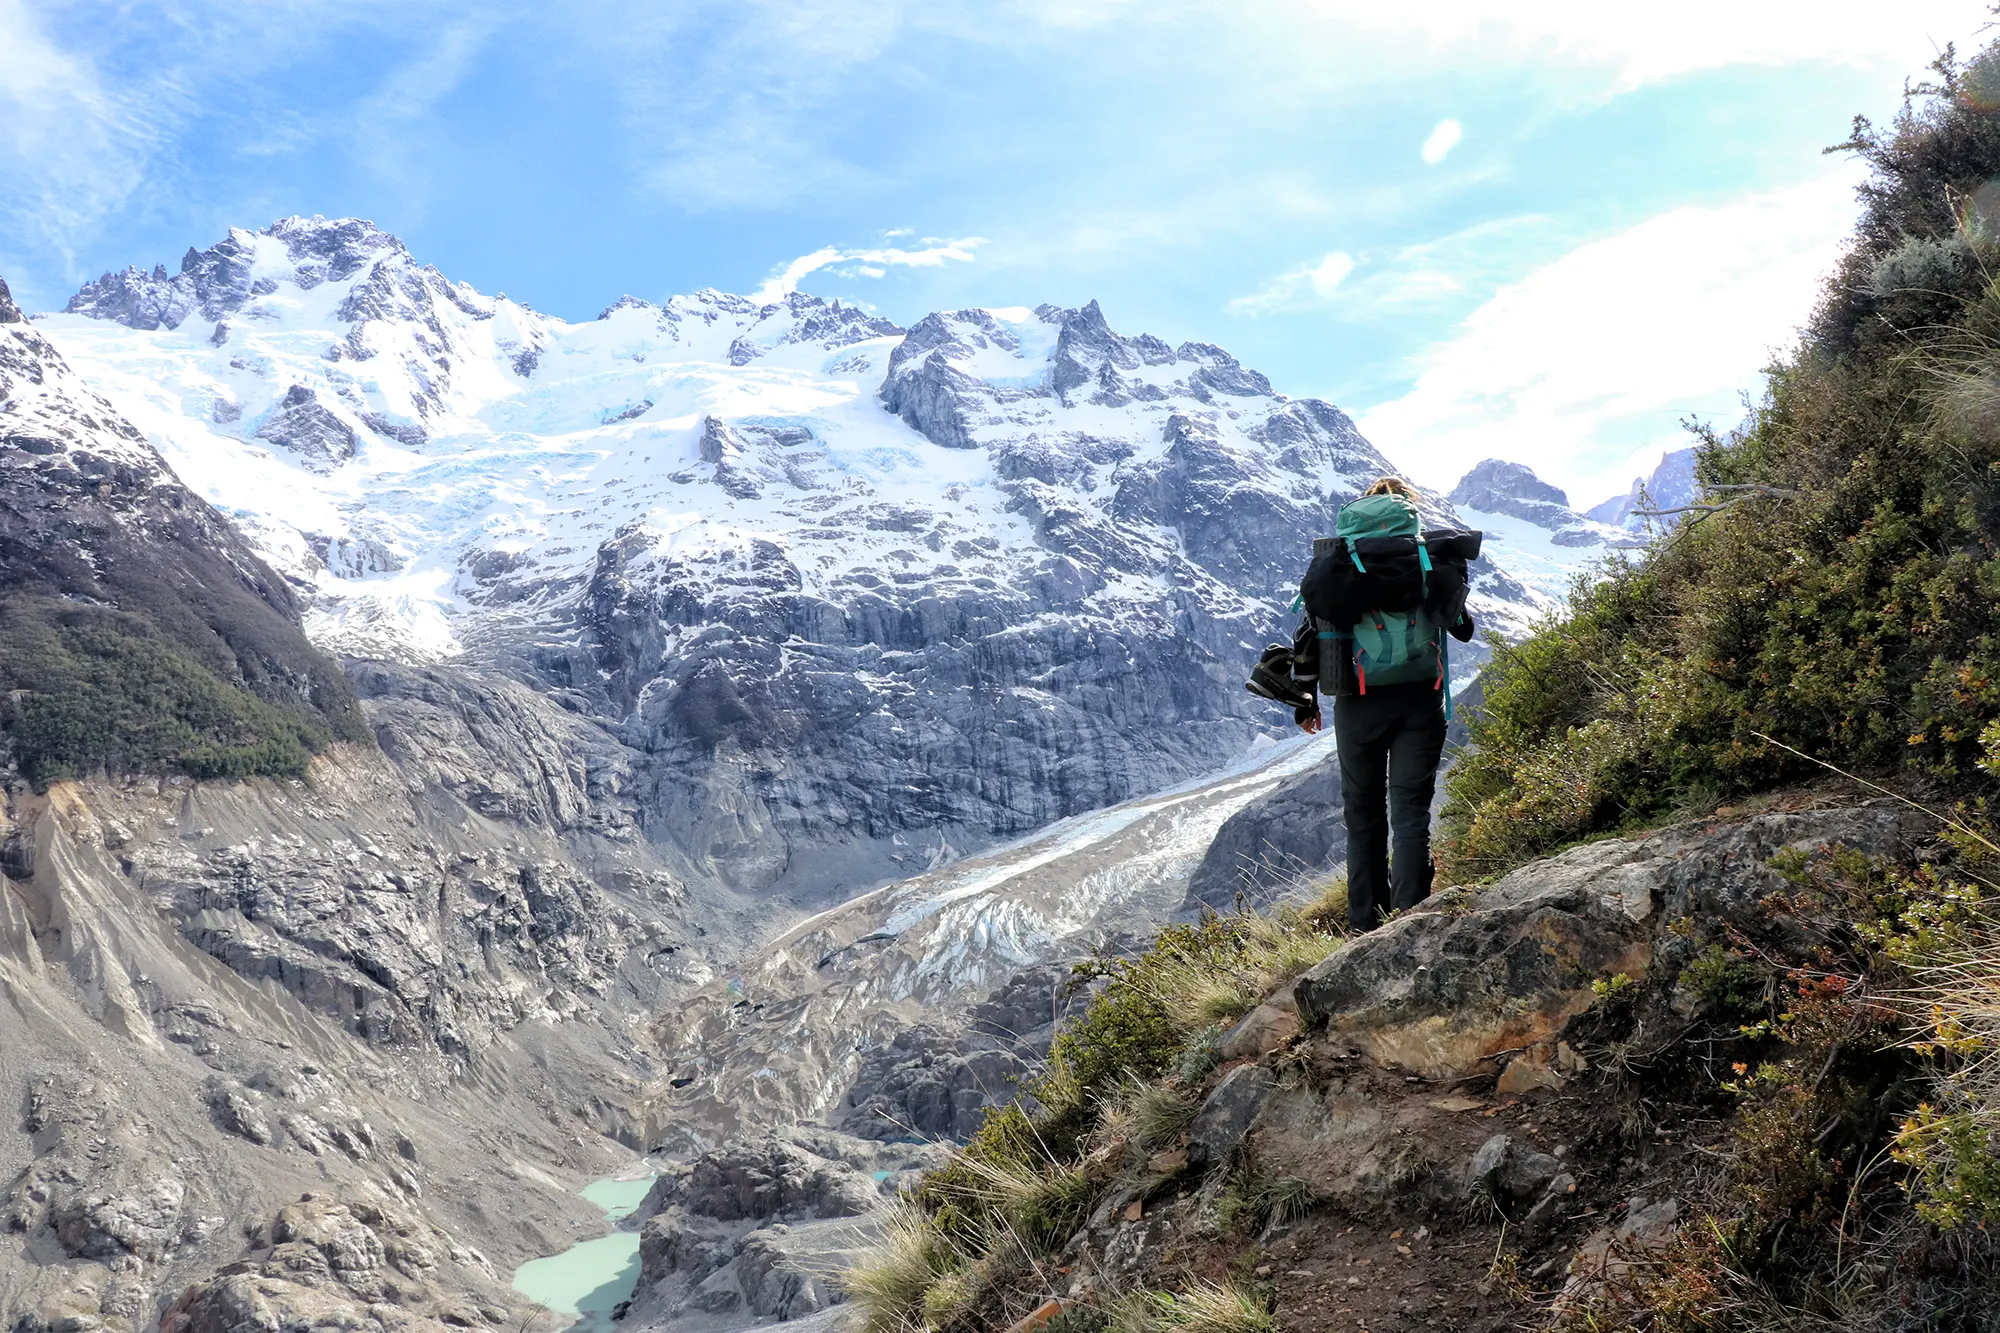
1382 591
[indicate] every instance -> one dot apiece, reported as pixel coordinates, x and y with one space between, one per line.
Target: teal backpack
1392 647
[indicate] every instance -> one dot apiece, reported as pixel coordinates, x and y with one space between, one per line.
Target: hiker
1380 598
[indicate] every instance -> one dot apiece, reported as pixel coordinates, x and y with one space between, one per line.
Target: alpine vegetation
1697 1029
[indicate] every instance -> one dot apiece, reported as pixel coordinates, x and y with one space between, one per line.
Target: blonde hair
1394 486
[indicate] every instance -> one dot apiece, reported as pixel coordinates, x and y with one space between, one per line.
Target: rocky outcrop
1482 972
937 1080
759 1227
324 1263
1287 839
299 423
1437 1101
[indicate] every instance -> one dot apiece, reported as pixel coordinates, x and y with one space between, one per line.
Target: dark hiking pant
1389 741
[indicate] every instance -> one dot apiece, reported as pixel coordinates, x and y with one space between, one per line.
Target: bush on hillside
85 688
1843 597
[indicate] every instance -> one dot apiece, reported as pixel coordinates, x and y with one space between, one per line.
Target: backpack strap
1444 671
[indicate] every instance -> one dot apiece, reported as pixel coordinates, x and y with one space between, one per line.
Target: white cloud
70 149
1301 286
1441 141
1601 353
866 263
1642 44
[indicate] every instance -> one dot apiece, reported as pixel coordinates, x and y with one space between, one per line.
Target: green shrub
1842 595
88 688
1728 983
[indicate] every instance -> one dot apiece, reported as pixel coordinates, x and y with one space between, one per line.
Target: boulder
1259 1032
1510 1172
1478 972
1226 1115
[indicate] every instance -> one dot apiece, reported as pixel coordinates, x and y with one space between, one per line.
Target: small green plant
1611 990
1200 1057
1727 983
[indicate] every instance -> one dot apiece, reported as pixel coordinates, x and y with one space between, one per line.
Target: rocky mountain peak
1671 484
1495 482
9 312
1498 487
235 271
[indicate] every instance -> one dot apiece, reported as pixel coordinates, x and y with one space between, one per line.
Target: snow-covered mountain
863 597
1530 528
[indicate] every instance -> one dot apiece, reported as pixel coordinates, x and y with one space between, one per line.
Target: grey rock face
764 1179
1284 839
216 282
1505 966
358 984
333 1264
309 430
937 1082
756 1226
1509 488
1499 487
1225 1117
9 312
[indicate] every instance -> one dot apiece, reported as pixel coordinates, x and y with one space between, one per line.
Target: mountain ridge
786 551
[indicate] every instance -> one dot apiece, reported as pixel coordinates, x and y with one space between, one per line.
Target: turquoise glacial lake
589 1279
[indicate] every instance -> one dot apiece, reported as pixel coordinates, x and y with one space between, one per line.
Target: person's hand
1307 716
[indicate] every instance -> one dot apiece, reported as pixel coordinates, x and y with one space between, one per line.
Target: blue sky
1545 231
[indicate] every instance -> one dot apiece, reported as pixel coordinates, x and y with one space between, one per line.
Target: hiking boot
1271 679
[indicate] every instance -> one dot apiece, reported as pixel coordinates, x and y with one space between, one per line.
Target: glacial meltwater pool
590 1278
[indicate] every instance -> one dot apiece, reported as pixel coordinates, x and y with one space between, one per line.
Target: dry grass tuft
892 1285
1205 1307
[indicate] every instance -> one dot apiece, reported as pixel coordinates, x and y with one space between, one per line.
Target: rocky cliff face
859 596
403 985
